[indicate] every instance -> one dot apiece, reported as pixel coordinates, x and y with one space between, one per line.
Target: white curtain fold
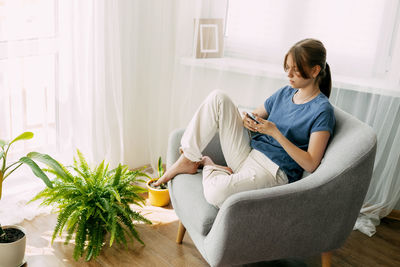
91 96
381 110
148 49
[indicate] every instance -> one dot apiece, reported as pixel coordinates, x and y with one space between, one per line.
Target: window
28 70
359 35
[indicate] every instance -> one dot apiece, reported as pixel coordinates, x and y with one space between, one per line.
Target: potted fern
92 202
158 195
13 237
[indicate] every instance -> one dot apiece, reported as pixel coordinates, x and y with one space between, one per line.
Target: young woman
289 134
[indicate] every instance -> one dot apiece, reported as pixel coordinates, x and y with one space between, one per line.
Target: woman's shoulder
322 104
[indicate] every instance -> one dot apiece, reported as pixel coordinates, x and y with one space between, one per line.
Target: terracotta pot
158 197
12 254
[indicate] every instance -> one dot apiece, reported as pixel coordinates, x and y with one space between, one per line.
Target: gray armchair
311 216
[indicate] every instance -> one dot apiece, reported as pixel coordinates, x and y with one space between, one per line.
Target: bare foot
182 165
208 161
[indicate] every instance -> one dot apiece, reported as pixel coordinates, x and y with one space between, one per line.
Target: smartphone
251 116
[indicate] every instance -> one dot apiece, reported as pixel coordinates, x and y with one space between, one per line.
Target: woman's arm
309 160
261 112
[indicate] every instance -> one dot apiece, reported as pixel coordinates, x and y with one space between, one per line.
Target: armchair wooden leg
181 233
326 259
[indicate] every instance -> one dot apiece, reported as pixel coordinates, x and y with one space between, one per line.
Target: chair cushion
188 200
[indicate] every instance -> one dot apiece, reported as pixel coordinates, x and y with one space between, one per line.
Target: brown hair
308 53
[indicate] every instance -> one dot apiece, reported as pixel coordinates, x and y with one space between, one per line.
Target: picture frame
208 38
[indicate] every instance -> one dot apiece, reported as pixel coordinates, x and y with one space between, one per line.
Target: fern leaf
78 171
125 218
80 236
115 194
70 232
83 165
139 217
89 252
62 219
99 238
98 172
120 236
89 246
56 228
113 226
101 216
105 204
117 175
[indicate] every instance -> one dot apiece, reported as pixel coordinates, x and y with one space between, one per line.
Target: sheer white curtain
90 96
381 110
148 51
28 54
359 40
87 97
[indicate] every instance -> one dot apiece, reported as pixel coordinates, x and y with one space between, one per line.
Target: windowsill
249 67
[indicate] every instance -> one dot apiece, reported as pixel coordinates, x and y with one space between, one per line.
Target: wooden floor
383 249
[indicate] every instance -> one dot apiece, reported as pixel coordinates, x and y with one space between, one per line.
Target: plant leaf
99 172
52 163
115 194
160 168
117 176
36 170
83 165
2 143
80 236
23 136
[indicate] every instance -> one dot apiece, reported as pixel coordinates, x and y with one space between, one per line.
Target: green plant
160 172
160 169
92 202
2 234
6 170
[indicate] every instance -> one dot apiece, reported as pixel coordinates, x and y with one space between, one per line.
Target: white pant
251 168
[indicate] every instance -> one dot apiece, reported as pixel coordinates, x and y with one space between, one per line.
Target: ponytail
325 83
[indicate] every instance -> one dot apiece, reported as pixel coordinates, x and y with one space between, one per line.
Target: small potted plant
92 202
13 237
158 195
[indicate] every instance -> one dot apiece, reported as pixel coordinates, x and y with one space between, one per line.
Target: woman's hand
266 127
249 123
263 127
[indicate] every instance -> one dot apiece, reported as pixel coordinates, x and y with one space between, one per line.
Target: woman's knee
214 198
219 96
215 194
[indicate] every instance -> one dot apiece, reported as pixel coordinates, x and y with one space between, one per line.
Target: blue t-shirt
296 122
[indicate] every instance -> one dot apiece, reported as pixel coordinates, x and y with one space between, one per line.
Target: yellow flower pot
158 197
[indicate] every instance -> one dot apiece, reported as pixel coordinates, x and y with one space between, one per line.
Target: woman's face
295 79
